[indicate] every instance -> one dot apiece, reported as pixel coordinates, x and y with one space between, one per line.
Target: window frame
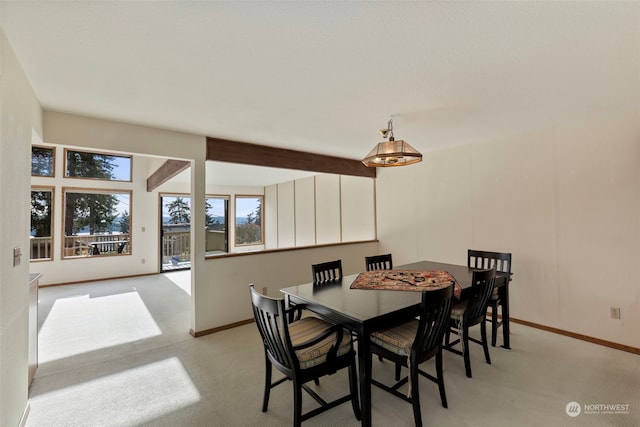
65 172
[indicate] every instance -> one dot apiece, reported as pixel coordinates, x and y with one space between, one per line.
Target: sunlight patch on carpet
181 279
130 397
82 324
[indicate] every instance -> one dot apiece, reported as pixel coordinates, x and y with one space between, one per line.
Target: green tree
41 213
90 165
124 222
179 211
208 218
248 233
95 210
251 231
256 216
41 161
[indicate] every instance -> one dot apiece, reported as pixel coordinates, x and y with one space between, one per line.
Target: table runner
405 280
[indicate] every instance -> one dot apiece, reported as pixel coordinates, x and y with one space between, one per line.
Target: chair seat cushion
308 328
458 310
398 339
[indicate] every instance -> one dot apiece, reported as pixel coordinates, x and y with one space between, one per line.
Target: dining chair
378 262
381 262
303 350
324 272
502 262
415 342
471 312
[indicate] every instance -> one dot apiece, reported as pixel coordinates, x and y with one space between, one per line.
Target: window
81 164
42 161
249 220
41 223
217 212
96 222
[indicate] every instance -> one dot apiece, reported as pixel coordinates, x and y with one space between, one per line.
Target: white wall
20 118
357 202
271 217
328 209
305 212
322 209
286 215
565 202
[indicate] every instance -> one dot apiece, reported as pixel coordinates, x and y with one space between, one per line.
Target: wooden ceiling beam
224 150
168 170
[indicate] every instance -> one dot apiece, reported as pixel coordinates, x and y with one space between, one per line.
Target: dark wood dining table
364 311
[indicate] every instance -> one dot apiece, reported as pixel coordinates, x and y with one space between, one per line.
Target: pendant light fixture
391 152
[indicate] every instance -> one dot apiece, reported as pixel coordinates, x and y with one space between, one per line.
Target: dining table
363 311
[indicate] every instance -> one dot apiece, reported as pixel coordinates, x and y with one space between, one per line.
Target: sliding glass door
175 230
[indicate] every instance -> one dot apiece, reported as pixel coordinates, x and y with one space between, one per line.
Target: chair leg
440 378
465 345
267 384
485 344
297 404
353 388
415 394
398 371
494 324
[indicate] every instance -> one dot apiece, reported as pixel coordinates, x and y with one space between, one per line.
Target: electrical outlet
143 260
615 312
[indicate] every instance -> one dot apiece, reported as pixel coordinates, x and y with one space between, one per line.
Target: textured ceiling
325 76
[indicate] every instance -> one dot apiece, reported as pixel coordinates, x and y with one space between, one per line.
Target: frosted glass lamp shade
392 153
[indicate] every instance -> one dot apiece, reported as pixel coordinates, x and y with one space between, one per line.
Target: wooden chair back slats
378 262
501 261
435 312
482 285
484 260
327 271
269 315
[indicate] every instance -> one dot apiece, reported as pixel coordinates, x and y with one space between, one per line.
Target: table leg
364 369
506 342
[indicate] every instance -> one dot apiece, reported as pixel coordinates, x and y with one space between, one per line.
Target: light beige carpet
118 353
